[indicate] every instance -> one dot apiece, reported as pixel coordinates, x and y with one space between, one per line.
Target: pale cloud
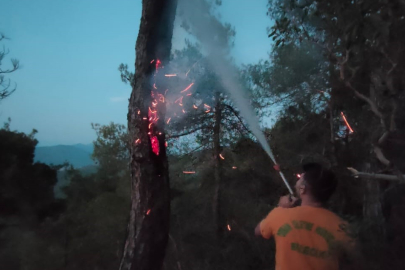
118 99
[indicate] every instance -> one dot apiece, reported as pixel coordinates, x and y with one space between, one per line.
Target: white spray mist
212 35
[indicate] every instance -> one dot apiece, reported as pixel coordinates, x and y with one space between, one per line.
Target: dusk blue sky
69 53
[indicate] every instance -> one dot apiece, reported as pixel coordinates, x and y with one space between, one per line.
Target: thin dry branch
237 116
378 176
372 104
185 133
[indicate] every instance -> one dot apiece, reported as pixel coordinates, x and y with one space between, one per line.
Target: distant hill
79 155
86 147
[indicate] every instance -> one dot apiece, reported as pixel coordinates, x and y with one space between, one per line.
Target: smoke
230 83
215 38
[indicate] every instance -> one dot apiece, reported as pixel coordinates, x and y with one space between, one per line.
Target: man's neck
309 202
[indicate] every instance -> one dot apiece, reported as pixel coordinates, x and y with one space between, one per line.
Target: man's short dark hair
322 182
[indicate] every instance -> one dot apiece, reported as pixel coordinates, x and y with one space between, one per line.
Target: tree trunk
219 226
148 225
372 208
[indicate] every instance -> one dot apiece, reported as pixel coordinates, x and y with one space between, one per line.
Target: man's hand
287 201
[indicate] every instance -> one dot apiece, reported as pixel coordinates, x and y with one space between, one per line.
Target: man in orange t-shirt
307 236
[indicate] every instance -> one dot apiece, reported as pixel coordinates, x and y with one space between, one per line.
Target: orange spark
221 156
138 141
157 64
234 167
160 133
150 125
152 61
179 100
188 172
148 212
184 111
189 94
170 75
150 110
195 107
139 112
206 106
154 86
188 88
168 120
347 123
298 175
229 227
166 144
207 111
145 118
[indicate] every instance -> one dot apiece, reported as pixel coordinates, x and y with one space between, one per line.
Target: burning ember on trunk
347 123
158 98
221 156
153 117
229 227
188 172
148 212
155 145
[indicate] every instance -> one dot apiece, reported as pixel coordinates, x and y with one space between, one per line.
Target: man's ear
303 189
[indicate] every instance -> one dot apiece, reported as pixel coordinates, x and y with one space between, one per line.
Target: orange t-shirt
306 237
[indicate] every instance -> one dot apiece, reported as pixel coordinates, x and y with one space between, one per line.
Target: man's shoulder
316 212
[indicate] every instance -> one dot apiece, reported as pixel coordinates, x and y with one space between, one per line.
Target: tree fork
148 226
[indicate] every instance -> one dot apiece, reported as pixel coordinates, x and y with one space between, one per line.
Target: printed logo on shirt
285 229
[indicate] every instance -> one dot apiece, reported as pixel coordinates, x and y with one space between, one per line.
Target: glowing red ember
187 88
347 123
155 145
188 172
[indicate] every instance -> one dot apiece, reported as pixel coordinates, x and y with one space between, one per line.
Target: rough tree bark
218 167
148 225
